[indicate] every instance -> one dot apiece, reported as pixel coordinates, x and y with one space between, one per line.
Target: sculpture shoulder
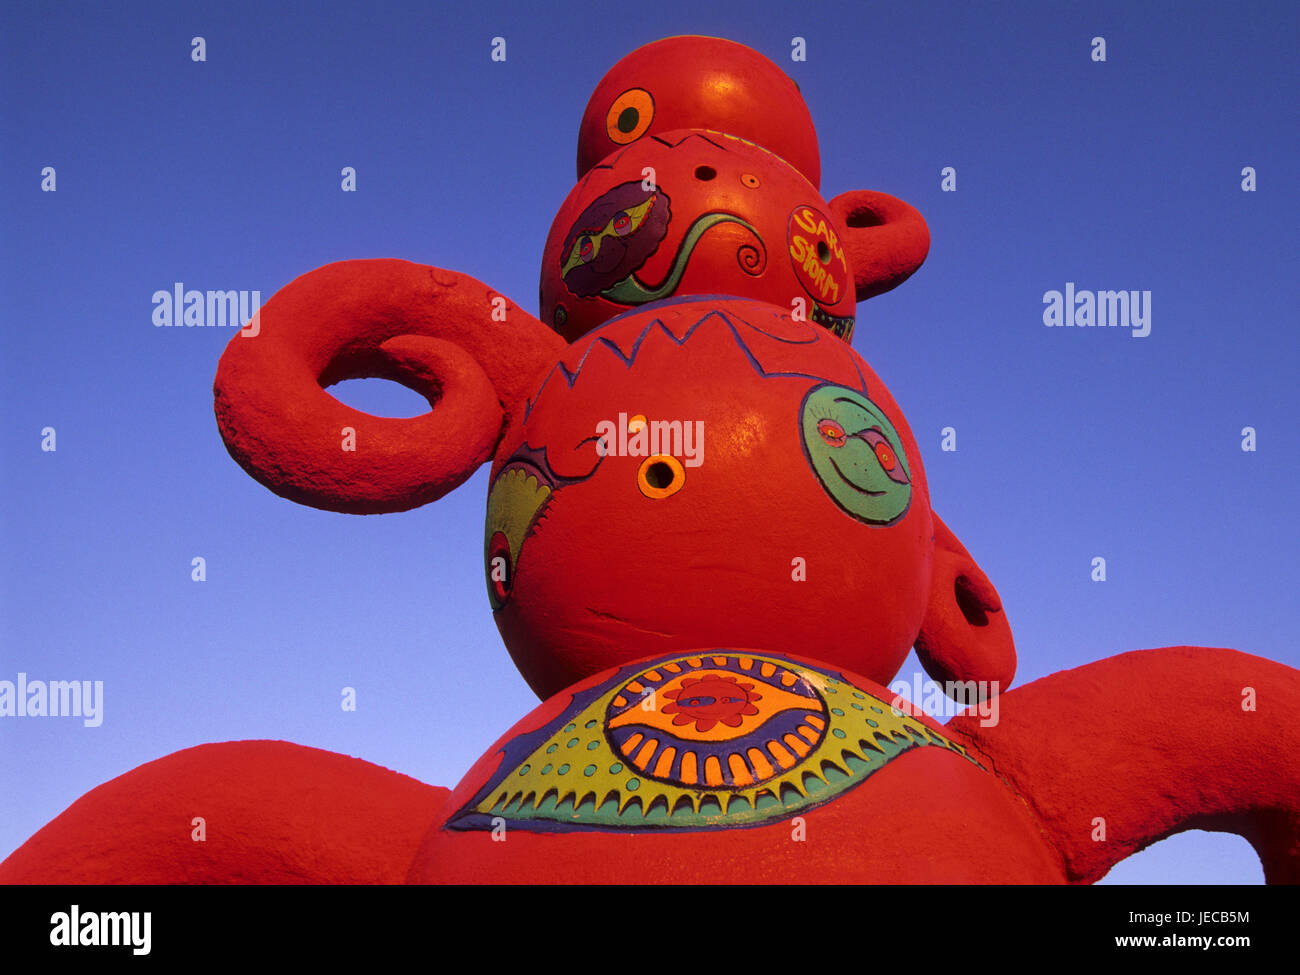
250 812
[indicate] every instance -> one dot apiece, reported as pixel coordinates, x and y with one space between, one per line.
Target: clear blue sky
225 174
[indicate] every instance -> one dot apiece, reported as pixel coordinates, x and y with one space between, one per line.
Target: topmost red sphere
693 82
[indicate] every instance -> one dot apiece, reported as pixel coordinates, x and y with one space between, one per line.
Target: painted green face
856 454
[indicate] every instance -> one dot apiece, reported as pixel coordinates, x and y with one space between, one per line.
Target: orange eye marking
831 432
886 457
750 180
629 116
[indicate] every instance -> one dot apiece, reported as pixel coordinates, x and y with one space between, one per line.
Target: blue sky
1072 443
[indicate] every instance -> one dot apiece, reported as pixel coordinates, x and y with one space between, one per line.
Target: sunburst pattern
762 738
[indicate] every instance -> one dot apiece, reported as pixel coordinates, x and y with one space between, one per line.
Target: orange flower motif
710 700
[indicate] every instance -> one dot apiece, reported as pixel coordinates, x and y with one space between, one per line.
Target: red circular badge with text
818 256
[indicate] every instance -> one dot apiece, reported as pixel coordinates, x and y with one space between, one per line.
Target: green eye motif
856 454
515 501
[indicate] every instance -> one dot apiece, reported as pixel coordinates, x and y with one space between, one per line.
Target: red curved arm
965 635
271 813
1117 754
886 239
473 354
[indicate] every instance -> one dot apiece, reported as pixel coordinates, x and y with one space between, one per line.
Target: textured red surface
886 239
430 329
613 569
705 83
609 575
1153 742
274 812
965 635
700 172
929 816
1149 742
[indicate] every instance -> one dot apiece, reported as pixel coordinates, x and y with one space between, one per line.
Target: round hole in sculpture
380 397
862 217
660 476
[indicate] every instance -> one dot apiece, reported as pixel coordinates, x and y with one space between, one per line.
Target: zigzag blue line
571 378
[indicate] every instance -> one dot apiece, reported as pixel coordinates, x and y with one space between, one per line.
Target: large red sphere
693 82
694 212
708 472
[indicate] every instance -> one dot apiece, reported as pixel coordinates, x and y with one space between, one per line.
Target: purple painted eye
633 216
885 455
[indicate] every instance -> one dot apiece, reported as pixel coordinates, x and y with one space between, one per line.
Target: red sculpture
693 82
764 449
723 130
709 545
710 215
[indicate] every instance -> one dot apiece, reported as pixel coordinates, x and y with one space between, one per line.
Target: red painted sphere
693 212
693 82
741 499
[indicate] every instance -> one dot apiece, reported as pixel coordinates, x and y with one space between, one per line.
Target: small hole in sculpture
968 604
862 217
659 475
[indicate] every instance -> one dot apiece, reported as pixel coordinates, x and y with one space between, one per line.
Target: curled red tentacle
473 354
1119 753
886 239
965 635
